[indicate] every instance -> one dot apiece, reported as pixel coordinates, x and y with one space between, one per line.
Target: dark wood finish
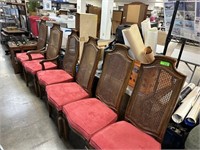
71 53
51 52
70 59
13 32
111 86
41 44
134 13
55 41
89 62
116 19
115 76
155 96
13 48
95 10
43 33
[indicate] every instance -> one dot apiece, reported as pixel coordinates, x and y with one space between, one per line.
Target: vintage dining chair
62 93
149 109
67 73
31 67
41 45
87 116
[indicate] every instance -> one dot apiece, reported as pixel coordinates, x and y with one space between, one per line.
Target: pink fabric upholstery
47 77
64 93
23 57
123 135
34 65
89 116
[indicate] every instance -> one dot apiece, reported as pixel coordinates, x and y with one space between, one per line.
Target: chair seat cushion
89 116
23 57
64 93
123 135
47 77
34 66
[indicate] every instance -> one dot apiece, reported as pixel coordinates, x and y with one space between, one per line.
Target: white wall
92 2
151 3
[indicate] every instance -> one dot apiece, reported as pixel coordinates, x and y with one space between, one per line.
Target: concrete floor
24 120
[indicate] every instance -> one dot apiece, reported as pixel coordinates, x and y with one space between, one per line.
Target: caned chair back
55 41
88 65
72 53
42 37
155 96
115 76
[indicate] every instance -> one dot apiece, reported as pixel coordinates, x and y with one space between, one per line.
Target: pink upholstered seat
47 77
64 93
123 135
148 111
34 66
68 71
24 57
89 116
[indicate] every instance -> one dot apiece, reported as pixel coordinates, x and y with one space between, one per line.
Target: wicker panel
55 41
114 78
88 64
154 97
42 38
71 53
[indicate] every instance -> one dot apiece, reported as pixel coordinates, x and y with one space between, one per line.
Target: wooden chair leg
49 109
35 85
39 90
65 129
60 126
25 77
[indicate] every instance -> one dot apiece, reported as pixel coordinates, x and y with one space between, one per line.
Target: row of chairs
93 121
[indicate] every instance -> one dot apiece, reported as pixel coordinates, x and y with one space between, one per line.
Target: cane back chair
41 45
90 115
149 109
62 93
51 55
67 73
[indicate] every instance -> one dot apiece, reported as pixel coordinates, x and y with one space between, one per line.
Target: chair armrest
40 51
47 60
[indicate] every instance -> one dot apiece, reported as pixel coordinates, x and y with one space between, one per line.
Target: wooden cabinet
86 24
95 10
116 20
134 13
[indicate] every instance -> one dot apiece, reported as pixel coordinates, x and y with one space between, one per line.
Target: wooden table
13 48
14 31
7 33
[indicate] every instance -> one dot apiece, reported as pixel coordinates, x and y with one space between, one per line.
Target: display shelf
58 4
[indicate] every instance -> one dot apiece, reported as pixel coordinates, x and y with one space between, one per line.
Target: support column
81 6
106 17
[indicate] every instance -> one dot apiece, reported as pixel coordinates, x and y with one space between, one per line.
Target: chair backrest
42 37
115 76
72 53
155 96
55 41
88 64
